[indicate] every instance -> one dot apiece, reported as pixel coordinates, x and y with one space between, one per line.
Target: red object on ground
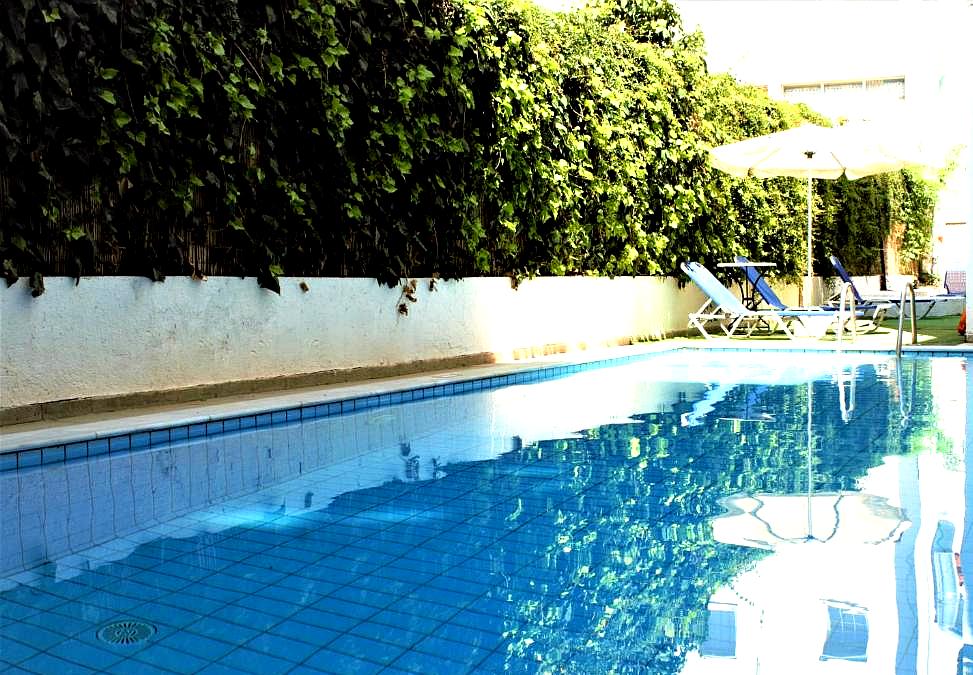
961 327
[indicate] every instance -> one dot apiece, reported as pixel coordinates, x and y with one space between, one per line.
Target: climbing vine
388 140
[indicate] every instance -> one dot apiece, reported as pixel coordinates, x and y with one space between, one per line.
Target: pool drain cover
126 632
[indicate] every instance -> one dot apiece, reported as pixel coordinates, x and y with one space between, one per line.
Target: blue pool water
689 513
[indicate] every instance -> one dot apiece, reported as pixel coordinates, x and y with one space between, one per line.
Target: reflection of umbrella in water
810 151
767 521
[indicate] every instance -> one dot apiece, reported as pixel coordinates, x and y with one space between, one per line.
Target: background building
902 64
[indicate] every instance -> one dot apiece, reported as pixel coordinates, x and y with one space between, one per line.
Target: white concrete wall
120 335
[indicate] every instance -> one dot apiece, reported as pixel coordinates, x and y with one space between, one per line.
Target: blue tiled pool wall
53 511
140 440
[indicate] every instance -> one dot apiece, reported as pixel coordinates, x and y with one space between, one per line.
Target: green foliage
856 218
388 140
912 201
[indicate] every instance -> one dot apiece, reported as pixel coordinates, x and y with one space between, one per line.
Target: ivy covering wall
382 138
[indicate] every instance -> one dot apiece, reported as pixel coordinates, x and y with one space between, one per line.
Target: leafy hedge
381 138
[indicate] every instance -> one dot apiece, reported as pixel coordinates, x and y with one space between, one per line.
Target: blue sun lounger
729 311
955 282
759 283
770 298
877 308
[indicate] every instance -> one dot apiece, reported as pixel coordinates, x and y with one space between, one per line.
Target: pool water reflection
685 514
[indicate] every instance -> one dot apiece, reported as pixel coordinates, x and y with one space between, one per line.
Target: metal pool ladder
912 318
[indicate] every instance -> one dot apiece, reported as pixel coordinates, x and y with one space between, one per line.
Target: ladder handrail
905 412
842 378
846 289
912 318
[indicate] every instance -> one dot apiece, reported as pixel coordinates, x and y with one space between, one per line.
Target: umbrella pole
809 283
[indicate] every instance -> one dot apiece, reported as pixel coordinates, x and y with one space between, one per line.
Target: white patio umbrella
810 151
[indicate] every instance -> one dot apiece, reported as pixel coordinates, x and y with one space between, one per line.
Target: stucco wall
122 335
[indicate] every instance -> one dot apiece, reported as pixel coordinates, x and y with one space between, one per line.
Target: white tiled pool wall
229 470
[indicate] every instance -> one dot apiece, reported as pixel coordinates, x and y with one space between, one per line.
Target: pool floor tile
465 655
63 625
399 636
33 636
14 611
86 654
258 663
501 661
313 636
427 664
219 629
11 669
337 606
197 645
175 660
314 616
308 670
286 648
392 618
337 663
480 636
218 669
135 667
14 651
46 663
370 599
373 650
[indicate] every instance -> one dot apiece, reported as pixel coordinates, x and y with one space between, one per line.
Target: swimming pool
687 513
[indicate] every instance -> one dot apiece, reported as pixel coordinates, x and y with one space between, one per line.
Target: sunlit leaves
467 137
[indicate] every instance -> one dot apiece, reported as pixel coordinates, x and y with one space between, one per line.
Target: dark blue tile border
119 443
52 454
79 450
28 458
140 440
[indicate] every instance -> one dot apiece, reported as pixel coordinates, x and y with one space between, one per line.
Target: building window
721 631
847 634
849 91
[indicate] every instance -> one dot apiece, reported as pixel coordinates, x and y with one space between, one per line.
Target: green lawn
940 330
937 331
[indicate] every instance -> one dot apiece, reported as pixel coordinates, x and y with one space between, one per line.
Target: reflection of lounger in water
717 393
705 405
